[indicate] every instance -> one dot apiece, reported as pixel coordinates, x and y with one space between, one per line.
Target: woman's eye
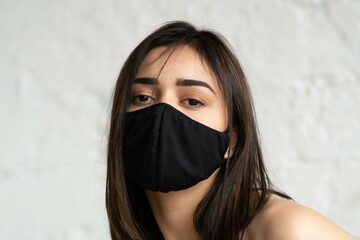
193 103
142 99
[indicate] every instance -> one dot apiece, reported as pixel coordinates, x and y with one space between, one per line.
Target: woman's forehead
182 58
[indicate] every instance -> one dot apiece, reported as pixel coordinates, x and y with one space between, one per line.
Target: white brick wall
59 61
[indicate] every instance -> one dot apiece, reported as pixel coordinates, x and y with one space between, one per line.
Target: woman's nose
170 98
167 97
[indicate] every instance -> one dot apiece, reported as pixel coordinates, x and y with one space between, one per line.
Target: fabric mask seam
159 146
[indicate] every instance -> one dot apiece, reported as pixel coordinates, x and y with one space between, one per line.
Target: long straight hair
241 187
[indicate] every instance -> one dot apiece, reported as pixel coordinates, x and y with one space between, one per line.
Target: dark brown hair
241 187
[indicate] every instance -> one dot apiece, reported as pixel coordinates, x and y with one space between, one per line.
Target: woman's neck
174 211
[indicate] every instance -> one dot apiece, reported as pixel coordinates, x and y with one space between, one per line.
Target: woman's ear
233 141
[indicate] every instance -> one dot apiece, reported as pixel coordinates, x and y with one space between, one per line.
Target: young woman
184 160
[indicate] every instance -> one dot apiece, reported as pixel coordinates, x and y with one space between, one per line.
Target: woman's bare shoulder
285 219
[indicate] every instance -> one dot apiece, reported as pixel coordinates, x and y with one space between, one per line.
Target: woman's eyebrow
146 80
192 82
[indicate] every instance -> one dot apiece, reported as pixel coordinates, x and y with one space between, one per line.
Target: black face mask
165 150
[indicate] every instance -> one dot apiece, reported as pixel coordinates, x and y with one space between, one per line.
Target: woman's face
181 79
